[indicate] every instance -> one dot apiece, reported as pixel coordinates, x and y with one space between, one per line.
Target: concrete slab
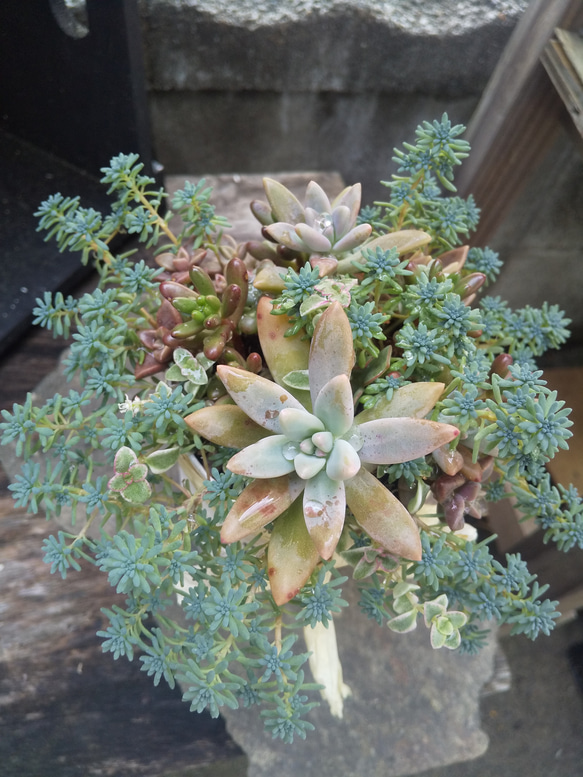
434 46
412 708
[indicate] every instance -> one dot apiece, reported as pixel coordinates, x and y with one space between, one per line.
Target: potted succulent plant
254 423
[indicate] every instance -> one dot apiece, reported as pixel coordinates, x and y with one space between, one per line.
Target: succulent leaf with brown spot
322 451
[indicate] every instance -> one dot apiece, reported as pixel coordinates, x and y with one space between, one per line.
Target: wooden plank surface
517 118
66 708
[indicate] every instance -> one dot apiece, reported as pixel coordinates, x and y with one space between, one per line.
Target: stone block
412 708
313 84
445 47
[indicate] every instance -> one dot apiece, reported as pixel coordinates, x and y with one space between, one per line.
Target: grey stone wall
253 85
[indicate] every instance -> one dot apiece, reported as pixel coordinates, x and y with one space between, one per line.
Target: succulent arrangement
254 423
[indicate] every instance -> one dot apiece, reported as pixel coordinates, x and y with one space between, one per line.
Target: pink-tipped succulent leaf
317 447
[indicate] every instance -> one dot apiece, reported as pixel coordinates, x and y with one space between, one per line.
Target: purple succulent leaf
285 234
354 238
313 239
317 199
395 440
261 399
454 509
342 221
263 459
349 197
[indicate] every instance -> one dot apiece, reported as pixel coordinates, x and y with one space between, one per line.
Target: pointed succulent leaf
316 198
334 405
312 216
454 260
415 400
315 241
282 354
395 440
382 516
324 512
285 206
163 460
263 459
355 237
343 462
350 197
262 212
405 241
325 665
326 264
297 379
331 351
172 289
299 424
285 234
261 502
342 220
375 369
261 399
291 556
225 425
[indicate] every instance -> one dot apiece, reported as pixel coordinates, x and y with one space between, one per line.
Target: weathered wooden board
66 708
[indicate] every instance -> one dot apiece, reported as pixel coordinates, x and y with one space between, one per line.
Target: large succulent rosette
307 454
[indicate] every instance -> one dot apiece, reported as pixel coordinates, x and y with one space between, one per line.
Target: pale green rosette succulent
309 456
